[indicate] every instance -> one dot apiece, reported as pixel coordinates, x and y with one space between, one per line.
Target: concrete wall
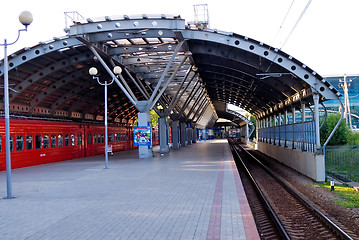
309 164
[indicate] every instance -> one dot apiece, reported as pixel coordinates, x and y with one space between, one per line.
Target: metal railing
342 162
297 136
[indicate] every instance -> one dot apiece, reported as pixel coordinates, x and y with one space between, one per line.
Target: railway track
280 212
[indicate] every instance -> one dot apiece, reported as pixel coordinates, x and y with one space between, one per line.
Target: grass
349 197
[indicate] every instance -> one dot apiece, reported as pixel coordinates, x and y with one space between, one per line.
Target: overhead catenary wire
292 30
285 18
296 23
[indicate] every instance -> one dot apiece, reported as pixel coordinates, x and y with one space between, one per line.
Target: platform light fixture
25 19
93 72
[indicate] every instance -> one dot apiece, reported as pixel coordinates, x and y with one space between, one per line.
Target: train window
95 138
19 143
53 141
38 141
110 137
102 138
11 144
116 137
0 144
46 140
73 139
28 142
99 138
79 139
67 140
60 140
88 139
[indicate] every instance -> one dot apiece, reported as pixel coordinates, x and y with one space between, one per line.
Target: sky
326 38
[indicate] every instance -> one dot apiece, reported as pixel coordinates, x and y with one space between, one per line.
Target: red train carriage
34 142
119 138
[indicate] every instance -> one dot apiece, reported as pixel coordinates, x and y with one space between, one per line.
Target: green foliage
154 118
349 197
353 138
340 136
253 120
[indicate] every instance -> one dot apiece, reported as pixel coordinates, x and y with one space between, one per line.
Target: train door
80 141
87 139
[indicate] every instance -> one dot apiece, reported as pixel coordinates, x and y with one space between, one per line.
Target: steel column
316 119
303 121
285 127
293 123
175 134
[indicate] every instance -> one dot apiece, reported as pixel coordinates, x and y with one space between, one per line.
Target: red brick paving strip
247 217
214 227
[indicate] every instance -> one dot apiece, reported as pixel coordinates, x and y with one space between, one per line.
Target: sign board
142 136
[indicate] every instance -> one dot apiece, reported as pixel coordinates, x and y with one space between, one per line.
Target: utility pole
347 114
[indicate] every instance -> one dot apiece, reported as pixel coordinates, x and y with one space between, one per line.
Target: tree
154 118
340 136
254 122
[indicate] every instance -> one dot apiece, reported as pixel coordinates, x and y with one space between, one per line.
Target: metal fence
297 136
342 162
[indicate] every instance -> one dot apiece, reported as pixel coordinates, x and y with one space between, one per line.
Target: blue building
353 92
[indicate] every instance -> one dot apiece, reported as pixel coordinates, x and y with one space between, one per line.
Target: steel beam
143 91
177 98
164 74
190 97
195 102
112 74
167 83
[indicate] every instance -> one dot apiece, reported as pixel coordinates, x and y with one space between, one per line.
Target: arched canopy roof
188 68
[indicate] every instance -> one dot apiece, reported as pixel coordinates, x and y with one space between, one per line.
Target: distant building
353 92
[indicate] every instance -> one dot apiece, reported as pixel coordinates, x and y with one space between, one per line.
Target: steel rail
325 220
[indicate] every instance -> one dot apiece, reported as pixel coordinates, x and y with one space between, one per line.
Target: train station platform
191 193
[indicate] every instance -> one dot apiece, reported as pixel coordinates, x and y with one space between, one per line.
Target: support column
270 132
293 123
175 134
204 134
316 119
303 130
194 136
285 127
189 132
163 134
183 134
246 137
279 128
144 119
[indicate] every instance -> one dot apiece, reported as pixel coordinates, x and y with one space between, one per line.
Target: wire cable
296 23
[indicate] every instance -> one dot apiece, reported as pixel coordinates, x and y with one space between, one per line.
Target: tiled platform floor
191 193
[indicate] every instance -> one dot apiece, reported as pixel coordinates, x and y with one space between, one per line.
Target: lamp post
25 18
93 72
